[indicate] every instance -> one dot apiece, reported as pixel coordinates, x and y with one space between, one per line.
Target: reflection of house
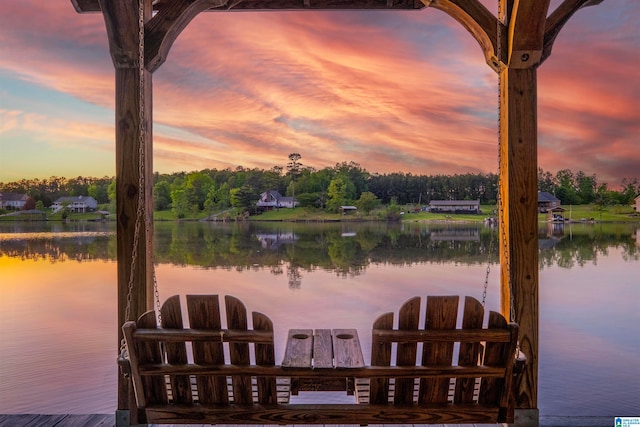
547 201
455 206
13 201
456 234
75 204
274 240
272 199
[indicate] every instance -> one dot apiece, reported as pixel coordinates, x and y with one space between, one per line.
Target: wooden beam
519 217
133 95
558 18
165 27
526 24
478 21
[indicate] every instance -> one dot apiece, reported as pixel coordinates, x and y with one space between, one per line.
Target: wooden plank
490 388
265 356
441 313
346 349
519 225
239 352
176 352
408 318
298 352
301 414
380 356
469 350
322 349
154 388
204 313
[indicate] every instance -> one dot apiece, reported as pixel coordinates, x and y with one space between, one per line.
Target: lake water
58 298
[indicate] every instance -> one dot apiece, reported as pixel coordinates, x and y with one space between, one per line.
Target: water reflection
59 317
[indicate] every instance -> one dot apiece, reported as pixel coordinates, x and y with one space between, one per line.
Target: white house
637 204
76 204
13 201
272 199
455 206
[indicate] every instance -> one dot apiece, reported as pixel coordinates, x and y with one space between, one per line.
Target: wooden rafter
558 19
526 32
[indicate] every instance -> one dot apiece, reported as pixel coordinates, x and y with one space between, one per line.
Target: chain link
140 213
502 227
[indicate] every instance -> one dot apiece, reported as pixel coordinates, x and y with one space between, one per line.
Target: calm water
58 300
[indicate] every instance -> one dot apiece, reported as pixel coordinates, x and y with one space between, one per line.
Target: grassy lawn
574 213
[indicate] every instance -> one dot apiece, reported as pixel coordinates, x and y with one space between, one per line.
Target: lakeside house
76 204
547 202
272 199
455 206
636 206
13 201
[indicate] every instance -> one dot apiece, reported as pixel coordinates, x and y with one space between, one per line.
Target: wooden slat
364 372
324 414
298 353
197 334
204 313
441 313
265 356
408 318
322 349
176 352
454 335
469 351
380 356
239 352
495 357
346 349
155 391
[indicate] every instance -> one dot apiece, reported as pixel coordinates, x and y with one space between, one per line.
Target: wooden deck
107 420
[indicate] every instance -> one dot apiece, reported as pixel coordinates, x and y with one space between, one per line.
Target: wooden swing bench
186 375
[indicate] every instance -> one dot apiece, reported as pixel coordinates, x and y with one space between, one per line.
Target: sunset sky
393 91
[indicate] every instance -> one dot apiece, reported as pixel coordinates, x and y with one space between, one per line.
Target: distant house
455 206
75 204
272 199
13 201
347 209
637 205
547 202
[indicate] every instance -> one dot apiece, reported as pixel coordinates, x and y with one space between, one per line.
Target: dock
108 420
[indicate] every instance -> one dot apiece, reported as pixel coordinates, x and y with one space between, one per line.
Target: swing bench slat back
440 373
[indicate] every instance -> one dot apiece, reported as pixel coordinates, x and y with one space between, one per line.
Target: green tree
244 198
293 168
162 195
337 194
40 205
367 202
179 202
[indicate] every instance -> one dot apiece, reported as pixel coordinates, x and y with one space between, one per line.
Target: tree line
346 183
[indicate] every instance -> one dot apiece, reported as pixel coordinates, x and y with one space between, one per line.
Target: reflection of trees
319 246
584 245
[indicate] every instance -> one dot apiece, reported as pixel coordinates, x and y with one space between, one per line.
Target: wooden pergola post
134 165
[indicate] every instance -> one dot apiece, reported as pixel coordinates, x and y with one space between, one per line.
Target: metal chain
502 228
140 216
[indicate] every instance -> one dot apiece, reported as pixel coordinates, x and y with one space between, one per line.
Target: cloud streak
393 91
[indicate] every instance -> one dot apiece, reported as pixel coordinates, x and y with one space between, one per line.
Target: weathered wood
519 234
204 312
346 349
299 349
526 33
176 352
441 313
408 318
557 19
380 356
469 350
324 414
322 349
239 352
265 356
